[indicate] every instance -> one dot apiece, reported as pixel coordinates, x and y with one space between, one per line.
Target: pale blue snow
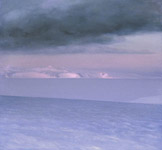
60 124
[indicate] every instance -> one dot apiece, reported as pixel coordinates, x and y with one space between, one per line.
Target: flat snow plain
121 90
64 124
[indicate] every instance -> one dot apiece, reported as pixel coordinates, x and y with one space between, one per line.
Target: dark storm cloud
28 26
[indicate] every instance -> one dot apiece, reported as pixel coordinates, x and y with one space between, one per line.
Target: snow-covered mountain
49 72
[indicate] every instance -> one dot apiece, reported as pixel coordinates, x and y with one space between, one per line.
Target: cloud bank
27 26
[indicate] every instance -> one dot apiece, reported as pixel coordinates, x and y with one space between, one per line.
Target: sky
81 39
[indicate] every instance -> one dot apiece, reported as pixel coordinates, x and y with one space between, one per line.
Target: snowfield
64 124
125 90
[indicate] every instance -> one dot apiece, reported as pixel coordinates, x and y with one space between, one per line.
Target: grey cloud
27 26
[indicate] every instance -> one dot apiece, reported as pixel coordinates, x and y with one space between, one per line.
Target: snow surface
142 91
60 124
149 100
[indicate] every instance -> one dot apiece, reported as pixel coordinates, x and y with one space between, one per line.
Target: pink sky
132 54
